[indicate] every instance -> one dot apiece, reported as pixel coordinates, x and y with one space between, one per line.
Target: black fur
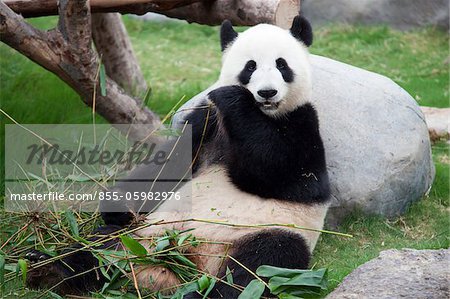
204 129
121 219
281 158
246 73
227 34
285 70
76 273
301 30
274 247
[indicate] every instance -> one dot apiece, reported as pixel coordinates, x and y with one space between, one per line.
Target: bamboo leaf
102 76
288 296
73 224
128 296
183 238
22 266
203 283
134 246
189 288
212 283
182 259
54 295
102 266
269 271
162 244
302 293
147 96
254 290
229 276
310 283
2 273
312 278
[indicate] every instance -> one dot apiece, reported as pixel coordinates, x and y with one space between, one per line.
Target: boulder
401 14
407 273
375 136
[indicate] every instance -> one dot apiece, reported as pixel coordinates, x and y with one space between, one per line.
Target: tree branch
26 39
37 8
56 51
210 12
243 12
114 46
75 25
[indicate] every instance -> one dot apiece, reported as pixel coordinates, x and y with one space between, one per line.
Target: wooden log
38 8
116 52
244 12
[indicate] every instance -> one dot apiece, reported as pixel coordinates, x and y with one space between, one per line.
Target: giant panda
259 160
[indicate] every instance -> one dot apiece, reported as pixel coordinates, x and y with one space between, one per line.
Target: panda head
271 62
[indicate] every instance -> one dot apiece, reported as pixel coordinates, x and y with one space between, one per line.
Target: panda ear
227 34
301 30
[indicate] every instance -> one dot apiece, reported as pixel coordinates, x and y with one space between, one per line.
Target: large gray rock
401 14
376 140
407 274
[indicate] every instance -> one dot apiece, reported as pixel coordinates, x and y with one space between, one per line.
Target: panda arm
204 127
248 128
272 157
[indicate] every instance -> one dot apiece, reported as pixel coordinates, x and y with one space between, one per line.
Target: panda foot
35 256
50 275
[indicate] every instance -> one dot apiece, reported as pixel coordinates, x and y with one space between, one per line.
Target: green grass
417 60
180 60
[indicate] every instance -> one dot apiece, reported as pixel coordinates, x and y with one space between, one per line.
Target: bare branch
113 44
37 8
75 25
23 37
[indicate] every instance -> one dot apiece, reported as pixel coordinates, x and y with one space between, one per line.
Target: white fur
265 44
214 198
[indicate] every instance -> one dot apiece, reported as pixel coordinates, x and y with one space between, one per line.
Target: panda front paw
227 96
45 275
35 256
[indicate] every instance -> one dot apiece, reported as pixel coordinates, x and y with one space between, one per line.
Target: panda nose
267 93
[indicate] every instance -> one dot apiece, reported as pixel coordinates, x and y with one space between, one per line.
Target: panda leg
75 273
272 247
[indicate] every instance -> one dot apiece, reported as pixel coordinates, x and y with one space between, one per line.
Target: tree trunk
66 52
114 47
210 12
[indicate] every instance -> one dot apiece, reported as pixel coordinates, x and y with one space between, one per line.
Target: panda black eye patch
285 70
247 71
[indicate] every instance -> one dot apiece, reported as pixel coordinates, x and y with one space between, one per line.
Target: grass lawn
180 60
